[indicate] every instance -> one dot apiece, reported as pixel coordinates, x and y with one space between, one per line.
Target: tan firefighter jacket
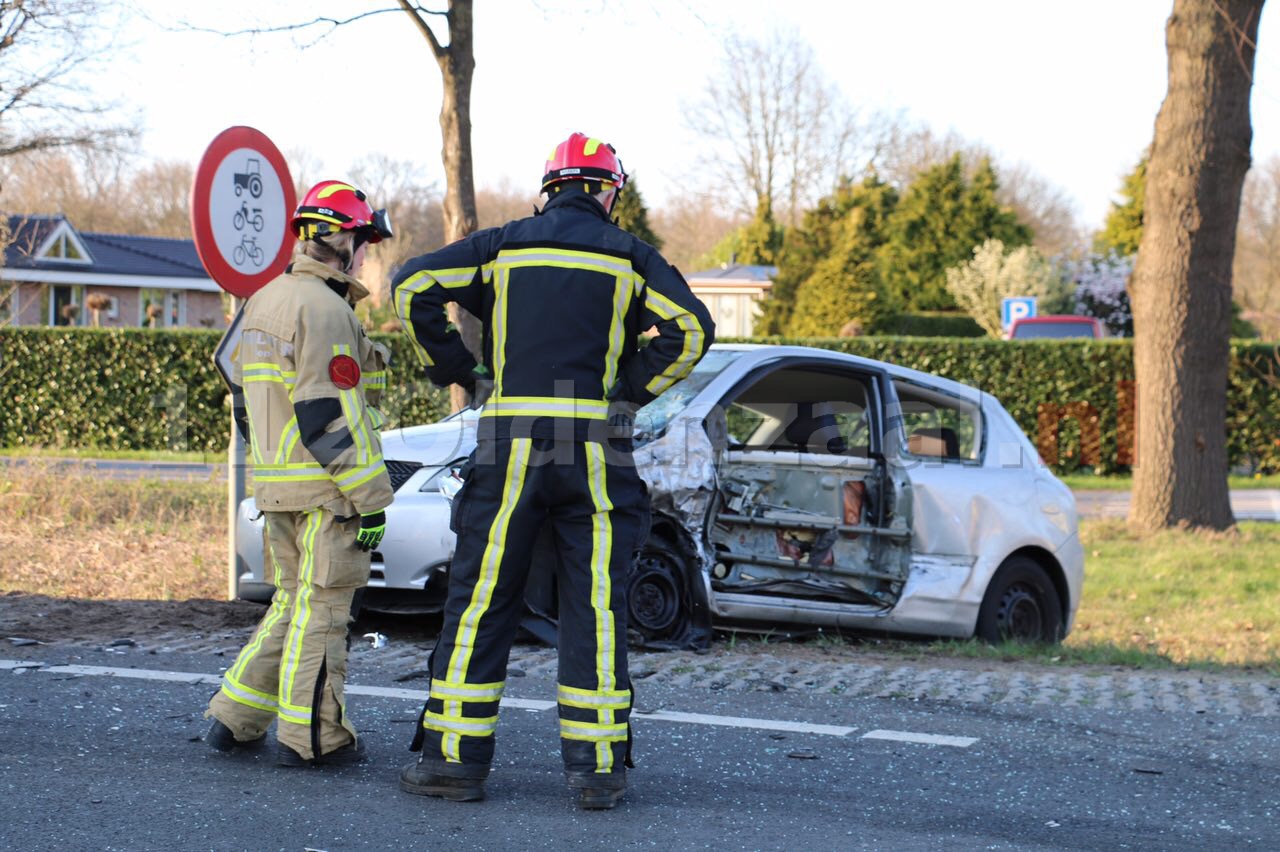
311 377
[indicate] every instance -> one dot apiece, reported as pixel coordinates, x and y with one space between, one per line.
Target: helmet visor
381 226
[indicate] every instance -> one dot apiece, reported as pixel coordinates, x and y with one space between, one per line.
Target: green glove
372 527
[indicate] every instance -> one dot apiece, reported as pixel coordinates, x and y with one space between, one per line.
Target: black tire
1021 605
657 605
255 186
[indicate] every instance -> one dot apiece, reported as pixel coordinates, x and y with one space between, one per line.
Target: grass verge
1174 599
72 535
1091 482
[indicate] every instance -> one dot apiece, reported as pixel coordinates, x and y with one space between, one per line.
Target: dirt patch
77 620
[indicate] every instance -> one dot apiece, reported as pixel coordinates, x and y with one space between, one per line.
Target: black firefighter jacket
563 296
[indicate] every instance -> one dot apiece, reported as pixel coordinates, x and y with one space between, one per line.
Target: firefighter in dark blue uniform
563 296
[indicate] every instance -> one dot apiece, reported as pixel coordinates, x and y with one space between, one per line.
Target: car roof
1072 318
757 353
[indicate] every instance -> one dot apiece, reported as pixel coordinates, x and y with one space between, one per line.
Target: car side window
802 409
939 426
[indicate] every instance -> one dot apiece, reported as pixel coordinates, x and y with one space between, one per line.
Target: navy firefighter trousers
597 507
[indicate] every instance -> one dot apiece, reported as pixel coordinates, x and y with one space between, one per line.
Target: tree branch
413 10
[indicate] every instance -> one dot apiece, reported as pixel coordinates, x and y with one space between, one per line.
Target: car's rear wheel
657 607
1021 604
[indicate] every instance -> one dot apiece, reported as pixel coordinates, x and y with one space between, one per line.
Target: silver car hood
433 444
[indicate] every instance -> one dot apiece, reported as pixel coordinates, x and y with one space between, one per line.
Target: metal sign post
235 488
241 201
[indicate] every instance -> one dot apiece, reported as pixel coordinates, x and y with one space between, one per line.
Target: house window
66 305
65 247
162 308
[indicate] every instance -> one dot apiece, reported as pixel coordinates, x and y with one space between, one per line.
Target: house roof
736 273
107 254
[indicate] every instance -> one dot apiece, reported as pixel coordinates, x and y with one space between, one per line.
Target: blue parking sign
1016 308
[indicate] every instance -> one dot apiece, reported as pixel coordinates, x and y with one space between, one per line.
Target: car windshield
1028 330
654 417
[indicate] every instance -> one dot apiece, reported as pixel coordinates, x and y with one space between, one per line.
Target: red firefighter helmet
331 206
582 158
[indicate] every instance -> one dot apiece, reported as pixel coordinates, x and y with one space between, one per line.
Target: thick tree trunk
457 65
1181 287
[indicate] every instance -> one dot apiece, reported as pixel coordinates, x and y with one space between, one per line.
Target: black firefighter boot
597 791
220 738
451 781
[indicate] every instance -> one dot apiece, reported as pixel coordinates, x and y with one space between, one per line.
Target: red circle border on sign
227 276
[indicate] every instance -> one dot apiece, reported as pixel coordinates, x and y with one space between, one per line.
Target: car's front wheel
657 606
1021 604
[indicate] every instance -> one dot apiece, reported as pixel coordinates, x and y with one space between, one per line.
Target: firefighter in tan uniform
309 377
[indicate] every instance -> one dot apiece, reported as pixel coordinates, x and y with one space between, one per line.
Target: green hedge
154 389
144 389
933 324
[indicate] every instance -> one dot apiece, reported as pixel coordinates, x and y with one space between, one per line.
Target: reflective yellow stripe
500 283
601 592
495 549
622 291
420 282
335 187
473 692
564 259
302 610
249 697
525 406
596 732
293 713
376 420
279 605
352 410
288 439
599 699
354 479
461 726
693 337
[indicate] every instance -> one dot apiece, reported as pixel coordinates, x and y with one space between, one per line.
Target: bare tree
777 130
87 186
1256 271
413 202
455 55
47 49
690 228
502 202
1181 286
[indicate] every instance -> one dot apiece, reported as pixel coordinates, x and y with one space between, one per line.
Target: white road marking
738 722
521 704
923 739
421 695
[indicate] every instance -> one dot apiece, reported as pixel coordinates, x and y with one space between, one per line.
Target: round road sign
241 202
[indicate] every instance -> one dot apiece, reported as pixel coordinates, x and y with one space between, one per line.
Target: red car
1056 326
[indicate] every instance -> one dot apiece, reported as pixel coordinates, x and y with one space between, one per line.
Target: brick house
54 275
732 294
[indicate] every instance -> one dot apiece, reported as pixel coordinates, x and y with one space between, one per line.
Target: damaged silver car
793 486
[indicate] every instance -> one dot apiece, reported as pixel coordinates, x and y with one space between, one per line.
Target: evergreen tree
761 238
802 249
941 219
1123 229
845 289
633 215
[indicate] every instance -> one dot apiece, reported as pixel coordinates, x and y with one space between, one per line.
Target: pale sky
1069 88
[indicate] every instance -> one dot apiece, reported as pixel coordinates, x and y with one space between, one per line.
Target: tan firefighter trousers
294 667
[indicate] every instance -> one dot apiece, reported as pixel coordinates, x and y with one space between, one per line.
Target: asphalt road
94 761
